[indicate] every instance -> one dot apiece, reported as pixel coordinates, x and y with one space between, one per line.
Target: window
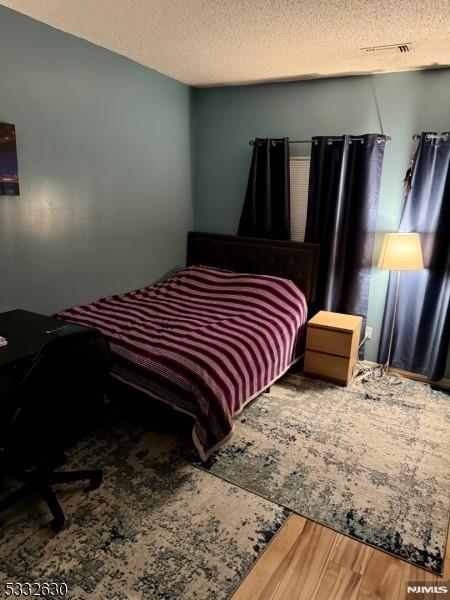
299 171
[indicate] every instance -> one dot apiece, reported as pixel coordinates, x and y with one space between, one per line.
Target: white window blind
299 172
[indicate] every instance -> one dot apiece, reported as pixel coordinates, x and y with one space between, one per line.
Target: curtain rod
381 138
432 136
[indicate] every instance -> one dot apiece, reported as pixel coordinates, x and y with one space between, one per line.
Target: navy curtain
266 210
422 329
344 189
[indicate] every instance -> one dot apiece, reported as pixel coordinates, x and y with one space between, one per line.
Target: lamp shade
401 252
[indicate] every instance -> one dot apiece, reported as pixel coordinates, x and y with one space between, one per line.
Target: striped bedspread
213 339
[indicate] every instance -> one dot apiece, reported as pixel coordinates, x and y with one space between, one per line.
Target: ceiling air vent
389 49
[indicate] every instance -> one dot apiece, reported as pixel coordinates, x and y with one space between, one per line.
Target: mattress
206 341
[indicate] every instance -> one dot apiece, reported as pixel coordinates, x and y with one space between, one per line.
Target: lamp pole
393 322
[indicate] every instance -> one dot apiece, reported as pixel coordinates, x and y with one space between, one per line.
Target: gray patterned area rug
157 528
371 466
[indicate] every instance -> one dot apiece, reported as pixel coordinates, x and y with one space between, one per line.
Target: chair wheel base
57 524
95 481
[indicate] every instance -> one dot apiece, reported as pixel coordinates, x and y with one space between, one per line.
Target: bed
217 333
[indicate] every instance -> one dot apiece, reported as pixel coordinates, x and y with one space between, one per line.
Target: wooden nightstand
332 342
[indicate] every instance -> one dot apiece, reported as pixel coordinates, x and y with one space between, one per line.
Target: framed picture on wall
9 170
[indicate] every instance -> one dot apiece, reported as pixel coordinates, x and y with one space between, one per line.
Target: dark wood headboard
298 261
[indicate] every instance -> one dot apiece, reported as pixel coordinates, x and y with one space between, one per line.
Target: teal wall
105 169
226 118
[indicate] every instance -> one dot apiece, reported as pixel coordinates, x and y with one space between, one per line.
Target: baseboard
442 383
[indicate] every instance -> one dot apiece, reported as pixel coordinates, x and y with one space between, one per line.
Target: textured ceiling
216 42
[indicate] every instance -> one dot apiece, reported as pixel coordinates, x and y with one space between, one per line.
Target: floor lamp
400 252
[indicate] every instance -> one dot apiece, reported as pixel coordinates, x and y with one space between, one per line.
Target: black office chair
44 412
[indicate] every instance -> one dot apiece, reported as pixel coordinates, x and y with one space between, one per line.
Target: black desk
27 334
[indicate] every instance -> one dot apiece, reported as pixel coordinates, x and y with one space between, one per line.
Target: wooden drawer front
327 340
335 368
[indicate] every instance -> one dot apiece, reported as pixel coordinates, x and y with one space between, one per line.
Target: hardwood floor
306 561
